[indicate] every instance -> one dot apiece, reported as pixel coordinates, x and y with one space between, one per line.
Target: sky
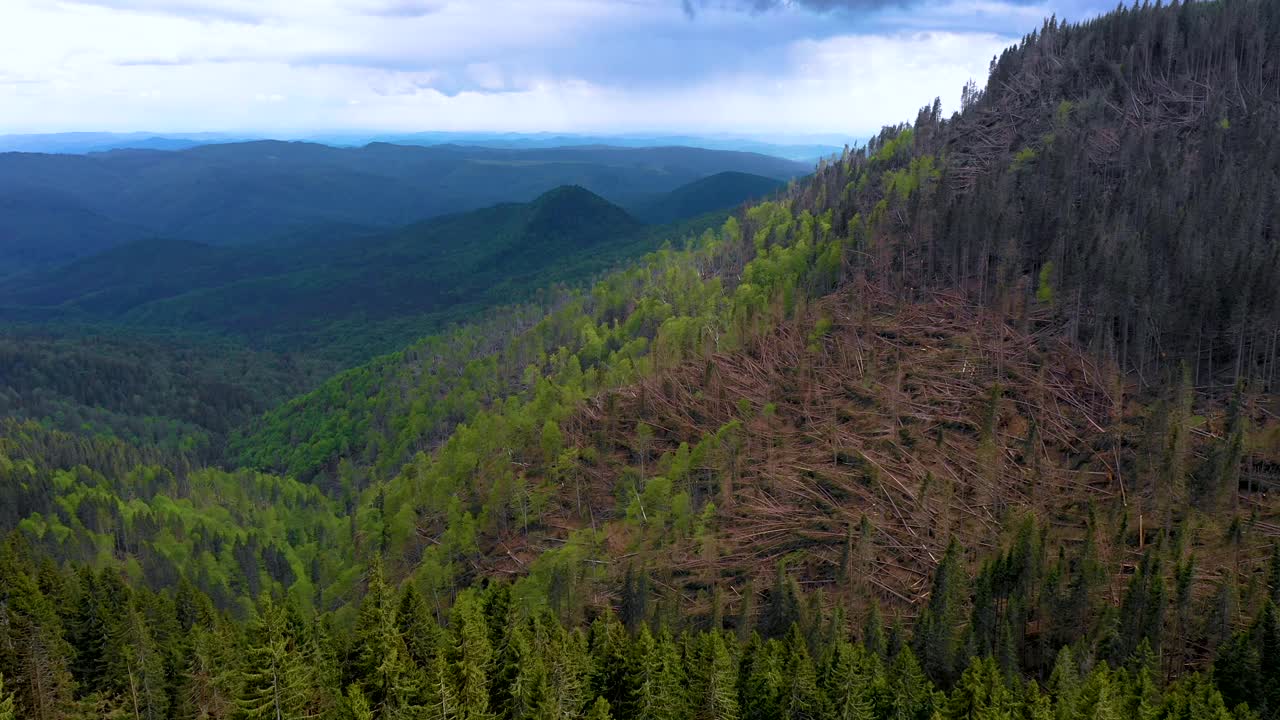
772 69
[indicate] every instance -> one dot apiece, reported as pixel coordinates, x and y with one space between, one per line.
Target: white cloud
281 66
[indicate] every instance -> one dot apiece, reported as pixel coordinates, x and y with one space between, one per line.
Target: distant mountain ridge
716 192
245 193
802 148
293 294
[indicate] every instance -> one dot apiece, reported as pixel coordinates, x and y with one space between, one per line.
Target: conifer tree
31 634
87 632
1142 611
783 609
635 598
910 695
746 612
760 678
7 709
715 685
439 695
470 657
1099 696
417 628
518 683
850 681
612 674
1266 632
209 685
275 677
383 666
1196 697
800 697
981 692
357 705
660 686
937 635
873 630
567 665
1228 455
599 710
1064 683
138 661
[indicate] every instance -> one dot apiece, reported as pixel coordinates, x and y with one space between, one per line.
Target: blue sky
769 68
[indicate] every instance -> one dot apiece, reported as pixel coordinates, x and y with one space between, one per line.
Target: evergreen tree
635 598
800 697
873 630
1266 632
1142 610
613 676
783 609
1100 697
851 682
981 693
31 634
383 666
660 685
1064 684
87 633
937 635
275 677
417 628
746 612
7 709
714 681
139 663
599 710
357 706
518 686
209 685
567 663
910 695
470 658
440 696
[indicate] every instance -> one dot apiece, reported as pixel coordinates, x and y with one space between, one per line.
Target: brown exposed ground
932 419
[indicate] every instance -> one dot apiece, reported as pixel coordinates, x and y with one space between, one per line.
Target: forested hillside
978 422
298 295
176 343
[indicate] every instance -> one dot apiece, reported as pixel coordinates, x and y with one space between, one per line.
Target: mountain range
61 207
979 420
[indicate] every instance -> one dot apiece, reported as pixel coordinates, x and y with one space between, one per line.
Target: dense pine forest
978 421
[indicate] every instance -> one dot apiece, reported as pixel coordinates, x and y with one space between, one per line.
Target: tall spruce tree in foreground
276 678
383 665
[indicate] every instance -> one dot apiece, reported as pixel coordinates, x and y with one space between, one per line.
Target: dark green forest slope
928 435
717 192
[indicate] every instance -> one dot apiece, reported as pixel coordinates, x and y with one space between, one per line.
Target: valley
976 420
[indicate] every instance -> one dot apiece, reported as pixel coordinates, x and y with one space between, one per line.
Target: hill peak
573 208
568 193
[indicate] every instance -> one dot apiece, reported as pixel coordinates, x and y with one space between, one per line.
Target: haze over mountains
60 207
806 148
335 288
